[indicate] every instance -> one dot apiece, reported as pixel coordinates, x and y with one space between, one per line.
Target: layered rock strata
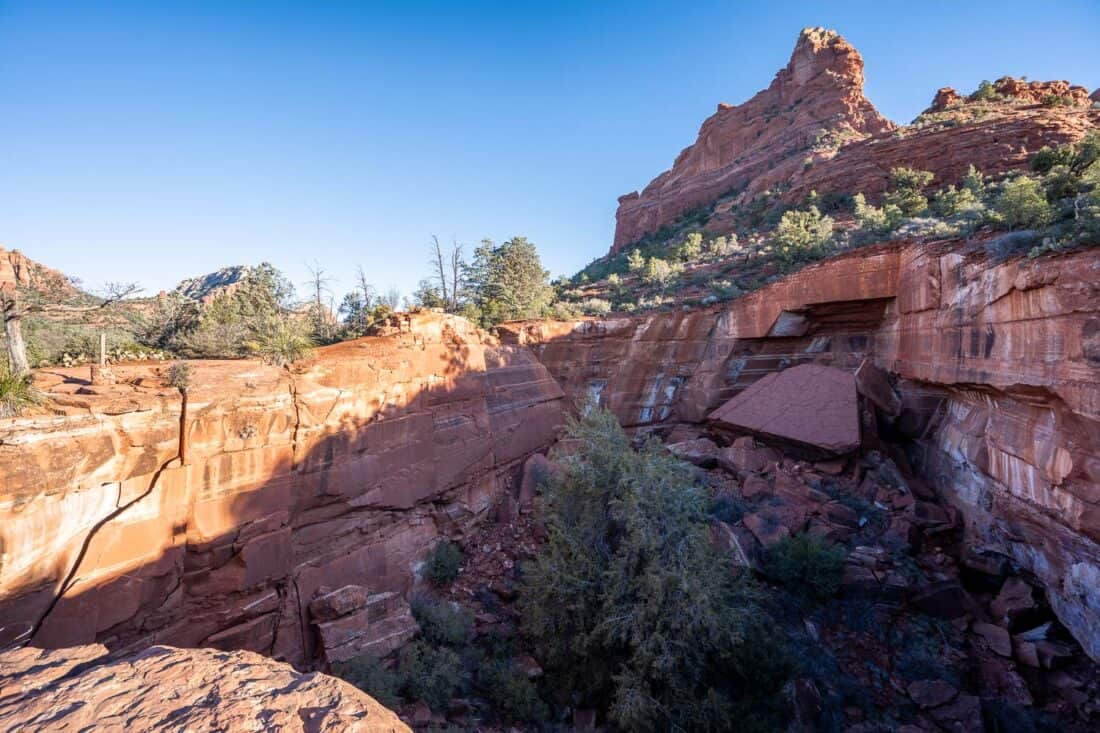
162 688
996 369
128 520
813 130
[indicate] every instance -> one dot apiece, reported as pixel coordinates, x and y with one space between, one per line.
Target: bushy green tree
629 606
985 92
635 261
507 281
443 563
238 316
875 220
907 190
952 201
691 248
974 181
658 271
1022 204
802 235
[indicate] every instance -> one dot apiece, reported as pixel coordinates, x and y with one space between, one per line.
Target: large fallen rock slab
811 405
164 688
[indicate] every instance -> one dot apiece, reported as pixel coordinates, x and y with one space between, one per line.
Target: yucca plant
282 343
17 393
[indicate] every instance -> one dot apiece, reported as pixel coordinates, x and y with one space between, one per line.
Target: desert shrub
443 563
433 674
628 605
985 92
442 623
596 306
635 261
613 280
1022 203
802 235
1048 157
952 201
906 190
874 220
179 375
727 508
1056 100
371 675
807 566
1060 183
691 248
283 343
723 246
658 271
511 692
17 393
1011 244
974 181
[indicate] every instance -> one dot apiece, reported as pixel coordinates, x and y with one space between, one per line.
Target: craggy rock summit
279 511
162 688
813 130
990 375
763 141
18 271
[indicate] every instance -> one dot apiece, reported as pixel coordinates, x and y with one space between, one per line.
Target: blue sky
152 141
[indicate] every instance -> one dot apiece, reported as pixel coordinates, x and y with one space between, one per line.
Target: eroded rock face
17 271
342 472
820 90
996 367
162 688
813 130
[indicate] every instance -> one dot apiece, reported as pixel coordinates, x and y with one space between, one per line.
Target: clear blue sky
151 141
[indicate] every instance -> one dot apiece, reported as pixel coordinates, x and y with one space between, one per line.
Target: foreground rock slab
810 404
163 688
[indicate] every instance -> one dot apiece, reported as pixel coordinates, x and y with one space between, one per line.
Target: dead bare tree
319 286
365 288
448 282
17 303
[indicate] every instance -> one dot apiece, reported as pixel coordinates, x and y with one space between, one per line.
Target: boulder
536 471
810 405
700 451
1014 598
872 383
163 688
943 599
996 637
745 456
380 626
931 693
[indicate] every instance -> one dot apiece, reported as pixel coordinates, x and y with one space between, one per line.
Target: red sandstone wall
1007 355
344 472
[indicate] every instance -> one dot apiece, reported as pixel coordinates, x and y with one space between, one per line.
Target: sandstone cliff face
813 130
17 271
762 141
292 485
997 366
162 688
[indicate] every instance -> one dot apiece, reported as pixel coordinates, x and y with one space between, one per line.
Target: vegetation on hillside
1054 206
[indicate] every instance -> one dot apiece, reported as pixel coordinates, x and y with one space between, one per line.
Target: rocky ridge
813 130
